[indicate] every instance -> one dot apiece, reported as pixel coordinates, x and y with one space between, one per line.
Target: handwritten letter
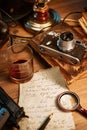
39 99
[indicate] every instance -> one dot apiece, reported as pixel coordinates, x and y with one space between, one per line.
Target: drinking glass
20 62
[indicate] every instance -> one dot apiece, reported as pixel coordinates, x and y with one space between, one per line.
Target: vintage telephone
10 112
10 11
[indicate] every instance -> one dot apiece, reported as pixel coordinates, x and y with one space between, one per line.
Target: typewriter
10 112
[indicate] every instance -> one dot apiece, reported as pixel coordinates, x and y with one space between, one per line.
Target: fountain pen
43 126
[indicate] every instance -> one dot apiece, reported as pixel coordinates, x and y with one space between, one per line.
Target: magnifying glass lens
65 98
69 101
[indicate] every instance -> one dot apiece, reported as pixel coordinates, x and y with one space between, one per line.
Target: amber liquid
20 73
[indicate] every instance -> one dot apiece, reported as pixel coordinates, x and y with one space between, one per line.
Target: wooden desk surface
63 7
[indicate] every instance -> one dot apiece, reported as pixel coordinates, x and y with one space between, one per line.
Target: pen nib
51 115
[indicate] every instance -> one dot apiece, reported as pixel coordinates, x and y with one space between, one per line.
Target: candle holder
42 18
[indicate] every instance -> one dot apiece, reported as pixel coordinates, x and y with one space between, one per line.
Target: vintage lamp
42 18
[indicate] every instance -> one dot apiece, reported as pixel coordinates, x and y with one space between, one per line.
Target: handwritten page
39 99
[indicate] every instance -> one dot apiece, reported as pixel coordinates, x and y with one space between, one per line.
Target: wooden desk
63 7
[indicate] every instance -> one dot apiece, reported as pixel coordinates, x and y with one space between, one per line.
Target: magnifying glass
75 103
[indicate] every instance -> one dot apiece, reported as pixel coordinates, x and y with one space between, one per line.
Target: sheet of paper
39 99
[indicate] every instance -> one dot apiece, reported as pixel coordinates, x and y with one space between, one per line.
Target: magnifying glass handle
82 111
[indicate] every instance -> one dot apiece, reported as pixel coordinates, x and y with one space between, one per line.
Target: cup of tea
20 62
